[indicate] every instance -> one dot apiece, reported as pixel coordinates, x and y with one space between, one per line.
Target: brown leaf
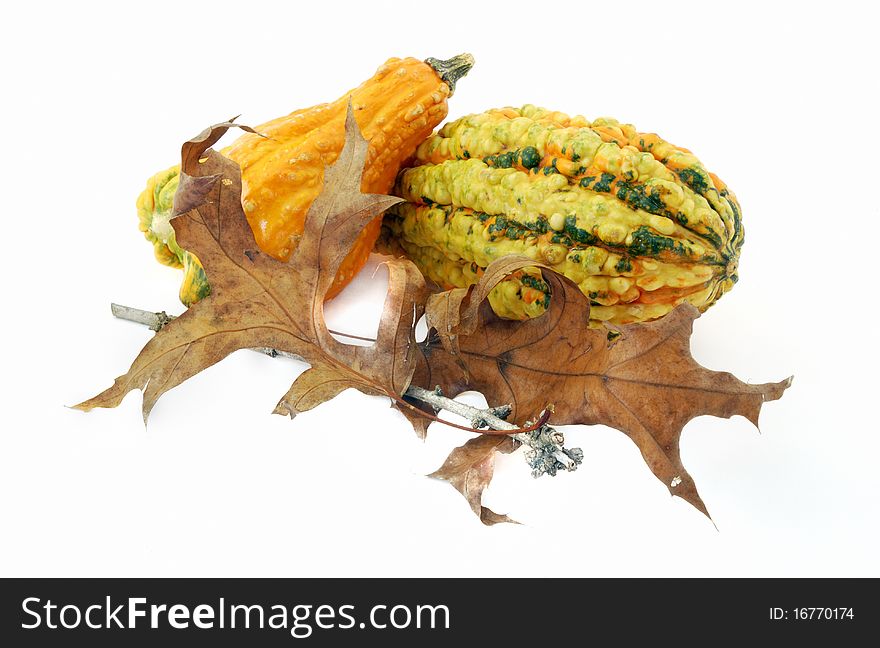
257 301
469 469
638 378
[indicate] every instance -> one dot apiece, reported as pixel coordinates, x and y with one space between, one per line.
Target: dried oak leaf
257 301
639 378
469 469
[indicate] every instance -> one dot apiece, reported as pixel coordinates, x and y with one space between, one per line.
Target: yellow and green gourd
639 224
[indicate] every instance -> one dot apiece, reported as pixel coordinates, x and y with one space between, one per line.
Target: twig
546 454
154 321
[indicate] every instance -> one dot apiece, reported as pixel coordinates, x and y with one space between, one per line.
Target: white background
777 99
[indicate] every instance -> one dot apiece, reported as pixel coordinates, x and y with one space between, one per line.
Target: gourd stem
451 70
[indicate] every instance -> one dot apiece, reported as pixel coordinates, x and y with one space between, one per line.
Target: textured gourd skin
396 109
636 222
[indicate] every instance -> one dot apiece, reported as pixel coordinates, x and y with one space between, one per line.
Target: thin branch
153 321
546 454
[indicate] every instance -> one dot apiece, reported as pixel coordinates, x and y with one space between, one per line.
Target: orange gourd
282 173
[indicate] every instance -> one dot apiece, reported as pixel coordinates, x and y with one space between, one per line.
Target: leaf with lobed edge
257 301
639 378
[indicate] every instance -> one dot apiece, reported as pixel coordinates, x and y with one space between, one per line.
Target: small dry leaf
257 301
469 469
640 379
